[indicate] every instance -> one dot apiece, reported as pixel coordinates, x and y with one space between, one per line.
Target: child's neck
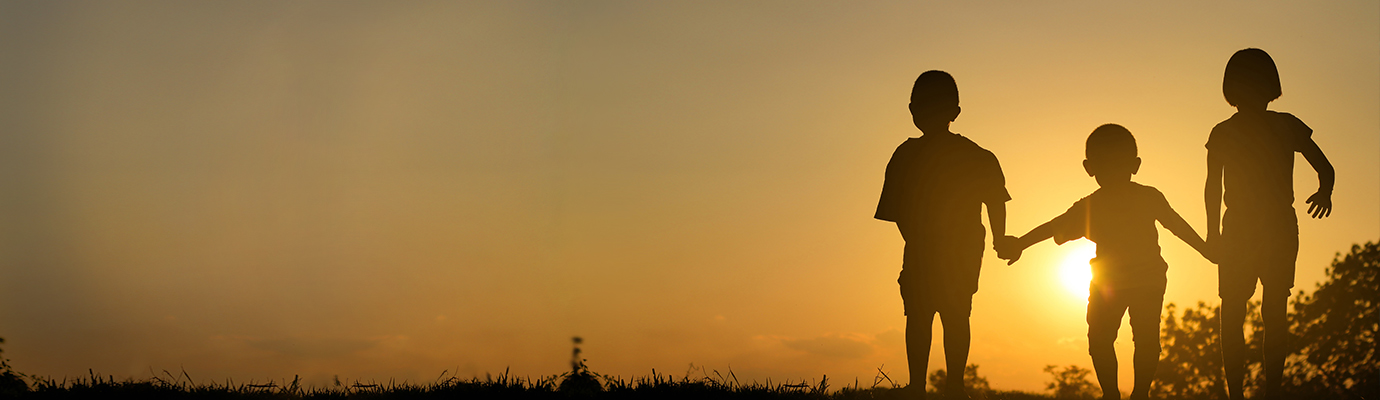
1113 183
937 130
1252 108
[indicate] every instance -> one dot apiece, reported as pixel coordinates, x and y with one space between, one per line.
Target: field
1332 357
567 386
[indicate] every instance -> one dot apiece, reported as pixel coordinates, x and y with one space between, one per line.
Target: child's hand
1012 258
1007 249
1320 204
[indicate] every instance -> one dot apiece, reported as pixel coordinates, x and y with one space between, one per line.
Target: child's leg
1234 345
1277 279
1104 318
1273 311
957 338
1236 280
1145 332
918 337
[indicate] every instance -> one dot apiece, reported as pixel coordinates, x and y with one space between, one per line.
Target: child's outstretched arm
1176 225
1018 245
1320 203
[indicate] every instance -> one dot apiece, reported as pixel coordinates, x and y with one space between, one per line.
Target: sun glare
1074 271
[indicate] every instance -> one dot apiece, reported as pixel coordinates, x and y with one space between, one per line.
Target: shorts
1257 251
926 297
1106 306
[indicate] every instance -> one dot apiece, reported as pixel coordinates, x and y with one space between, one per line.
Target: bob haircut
1251 77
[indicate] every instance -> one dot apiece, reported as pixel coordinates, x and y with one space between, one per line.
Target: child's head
1251 79
934 100
1111 155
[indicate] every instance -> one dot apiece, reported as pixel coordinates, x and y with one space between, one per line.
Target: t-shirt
937 184
1257 153
1121 220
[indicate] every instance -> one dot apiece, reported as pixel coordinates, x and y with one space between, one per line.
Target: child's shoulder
1135 192
1251 127
972 147
1268 117
1282 116
1144 190
909 147
950 144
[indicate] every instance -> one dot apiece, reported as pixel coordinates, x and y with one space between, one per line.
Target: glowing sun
1074 271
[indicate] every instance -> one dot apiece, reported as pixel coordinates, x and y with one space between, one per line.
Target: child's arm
1176 225
1320 203
996 216
1212 197
1018 245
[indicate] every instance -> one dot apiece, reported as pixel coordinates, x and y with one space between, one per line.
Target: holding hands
1007 248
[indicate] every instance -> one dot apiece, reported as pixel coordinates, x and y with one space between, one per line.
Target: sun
1074 271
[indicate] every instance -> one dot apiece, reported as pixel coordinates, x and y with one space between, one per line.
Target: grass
566 386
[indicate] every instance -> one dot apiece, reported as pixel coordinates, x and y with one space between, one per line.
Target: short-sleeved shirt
1121 220
1260 229
936 184
1257 152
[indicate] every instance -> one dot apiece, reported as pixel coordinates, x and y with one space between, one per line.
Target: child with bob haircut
1128 274
1251 155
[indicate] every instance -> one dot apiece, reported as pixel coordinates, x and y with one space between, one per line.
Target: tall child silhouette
1252 155
935 187
1128 274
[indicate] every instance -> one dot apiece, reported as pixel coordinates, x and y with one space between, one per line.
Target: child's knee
1100 338
1145 327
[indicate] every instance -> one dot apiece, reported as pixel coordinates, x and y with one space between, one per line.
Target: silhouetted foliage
579 381
655 386
976 385
1335 329
1191 364
1071 382
11 382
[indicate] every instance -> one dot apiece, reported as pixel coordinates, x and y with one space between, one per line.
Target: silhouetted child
935 187
1253 152
1128 273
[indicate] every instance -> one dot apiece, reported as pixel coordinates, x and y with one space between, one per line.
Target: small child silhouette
1128 273
935 187
1253 152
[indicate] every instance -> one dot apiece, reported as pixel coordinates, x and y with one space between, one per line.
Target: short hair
1111 141
1251 76
934 89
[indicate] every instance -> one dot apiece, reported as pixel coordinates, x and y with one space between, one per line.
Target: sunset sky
376 190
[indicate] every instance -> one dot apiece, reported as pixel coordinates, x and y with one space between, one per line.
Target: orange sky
253 190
